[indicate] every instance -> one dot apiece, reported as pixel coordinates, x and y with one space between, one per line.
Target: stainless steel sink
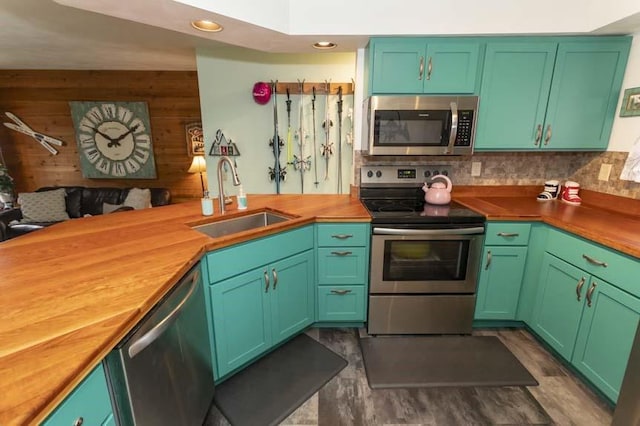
239 224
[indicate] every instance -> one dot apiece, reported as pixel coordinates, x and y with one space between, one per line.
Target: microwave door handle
454 128
396 231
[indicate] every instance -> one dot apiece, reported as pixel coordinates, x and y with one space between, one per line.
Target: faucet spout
236 180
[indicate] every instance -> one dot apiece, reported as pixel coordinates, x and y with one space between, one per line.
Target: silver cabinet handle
341 292
538 135
595 261
266 280
341 253
429 68
78 422
275 278
421 68
547 136
508 234
579 287
150 336
342 236
488 260
590 293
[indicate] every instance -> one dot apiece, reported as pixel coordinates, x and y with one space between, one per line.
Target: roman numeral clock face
114 140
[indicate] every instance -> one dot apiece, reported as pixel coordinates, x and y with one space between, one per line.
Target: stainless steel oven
424 258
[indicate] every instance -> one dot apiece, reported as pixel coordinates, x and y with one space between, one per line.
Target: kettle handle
446 178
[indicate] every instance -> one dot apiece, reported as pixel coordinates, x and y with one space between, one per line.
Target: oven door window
430 260
411 128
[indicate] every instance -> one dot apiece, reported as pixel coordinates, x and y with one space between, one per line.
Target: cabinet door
584 94
451 67
559 304
499 283
342 265
605 337
341 303
513 95
292 295
241 319
397 64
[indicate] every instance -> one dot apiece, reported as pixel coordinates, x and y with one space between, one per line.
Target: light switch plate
605 171
476 168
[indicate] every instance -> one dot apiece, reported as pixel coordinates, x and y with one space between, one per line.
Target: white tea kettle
438 193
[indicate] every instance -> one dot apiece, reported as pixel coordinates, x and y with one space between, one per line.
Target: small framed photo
631 103
195 138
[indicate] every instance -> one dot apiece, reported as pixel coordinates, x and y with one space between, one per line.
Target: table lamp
198 165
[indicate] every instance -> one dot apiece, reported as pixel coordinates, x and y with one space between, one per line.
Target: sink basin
239 224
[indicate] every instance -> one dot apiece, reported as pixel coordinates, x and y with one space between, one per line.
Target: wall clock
114 139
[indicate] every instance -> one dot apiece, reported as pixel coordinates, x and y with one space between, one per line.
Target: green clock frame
114 139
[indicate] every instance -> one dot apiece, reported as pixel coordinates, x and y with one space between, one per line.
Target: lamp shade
198 165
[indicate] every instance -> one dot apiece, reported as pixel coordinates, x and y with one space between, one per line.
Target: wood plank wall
41 99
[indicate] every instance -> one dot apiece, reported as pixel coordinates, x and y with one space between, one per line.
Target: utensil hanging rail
307 89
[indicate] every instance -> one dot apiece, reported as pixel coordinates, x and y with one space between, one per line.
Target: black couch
80 201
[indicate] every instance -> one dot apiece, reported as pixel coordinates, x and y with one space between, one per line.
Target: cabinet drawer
341 303
620 270
343 235
507 234
337 265
239 258
90 400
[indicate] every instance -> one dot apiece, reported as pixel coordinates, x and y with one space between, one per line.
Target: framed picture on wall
630 103
195 138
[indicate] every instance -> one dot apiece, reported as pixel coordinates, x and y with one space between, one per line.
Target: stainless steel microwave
420 125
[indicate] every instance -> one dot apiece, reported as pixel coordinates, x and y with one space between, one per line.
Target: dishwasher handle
149 337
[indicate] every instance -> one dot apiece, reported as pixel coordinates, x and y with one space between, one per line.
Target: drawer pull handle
579 287
508 234
595 261
488 260
266 280
275 278
590 293
342 236
340 292
78 422
341 253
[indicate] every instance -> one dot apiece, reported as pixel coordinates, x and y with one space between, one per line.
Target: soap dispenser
242 198
207 204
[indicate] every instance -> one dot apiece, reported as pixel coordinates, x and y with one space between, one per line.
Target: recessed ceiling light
324 45
206 25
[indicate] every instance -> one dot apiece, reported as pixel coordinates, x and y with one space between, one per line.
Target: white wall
627 129
226 78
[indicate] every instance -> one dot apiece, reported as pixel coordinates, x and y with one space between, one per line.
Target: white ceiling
155 34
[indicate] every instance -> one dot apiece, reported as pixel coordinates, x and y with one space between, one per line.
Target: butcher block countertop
70 292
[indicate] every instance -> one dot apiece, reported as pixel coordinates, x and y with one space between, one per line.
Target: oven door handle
460 231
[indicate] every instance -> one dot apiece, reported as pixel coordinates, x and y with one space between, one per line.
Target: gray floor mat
433 361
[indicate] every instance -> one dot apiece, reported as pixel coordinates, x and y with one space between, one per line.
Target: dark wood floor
347 399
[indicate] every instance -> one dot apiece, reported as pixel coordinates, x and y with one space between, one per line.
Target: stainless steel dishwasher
161 372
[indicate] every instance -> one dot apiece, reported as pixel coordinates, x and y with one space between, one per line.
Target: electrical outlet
605 171
476 168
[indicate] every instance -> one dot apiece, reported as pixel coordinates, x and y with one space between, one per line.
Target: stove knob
427 173
446 173
369 173
435 172
378 173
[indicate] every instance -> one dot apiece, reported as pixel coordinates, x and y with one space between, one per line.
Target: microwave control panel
465 126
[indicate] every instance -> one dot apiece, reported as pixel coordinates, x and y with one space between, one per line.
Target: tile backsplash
525 168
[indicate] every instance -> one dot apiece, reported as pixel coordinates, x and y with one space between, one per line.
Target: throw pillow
138 198
47 206
109 208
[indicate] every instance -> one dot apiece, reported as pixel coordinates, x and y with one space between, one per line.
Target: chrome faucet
236 179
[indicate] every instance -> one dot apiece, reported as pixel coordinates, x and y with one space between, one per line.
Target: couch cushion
138 198
47 206
73 200
93 199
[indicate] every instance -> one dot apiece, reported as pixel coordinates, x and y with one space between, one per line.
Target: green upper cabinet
423 65
549 93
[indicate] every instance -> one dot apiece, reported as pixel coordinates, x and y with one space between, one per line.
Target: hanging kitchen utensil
300 163
339 140
315 148
327 146
289 133
276 172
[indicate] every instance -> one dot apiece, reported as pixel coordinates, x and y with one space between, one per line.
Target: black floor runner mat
266 392
432 361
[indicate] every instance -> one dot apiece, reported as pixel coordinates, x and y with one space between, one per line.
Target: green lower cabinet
89 401
559 304
499 282
341 303
605 336
258 309
342 265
